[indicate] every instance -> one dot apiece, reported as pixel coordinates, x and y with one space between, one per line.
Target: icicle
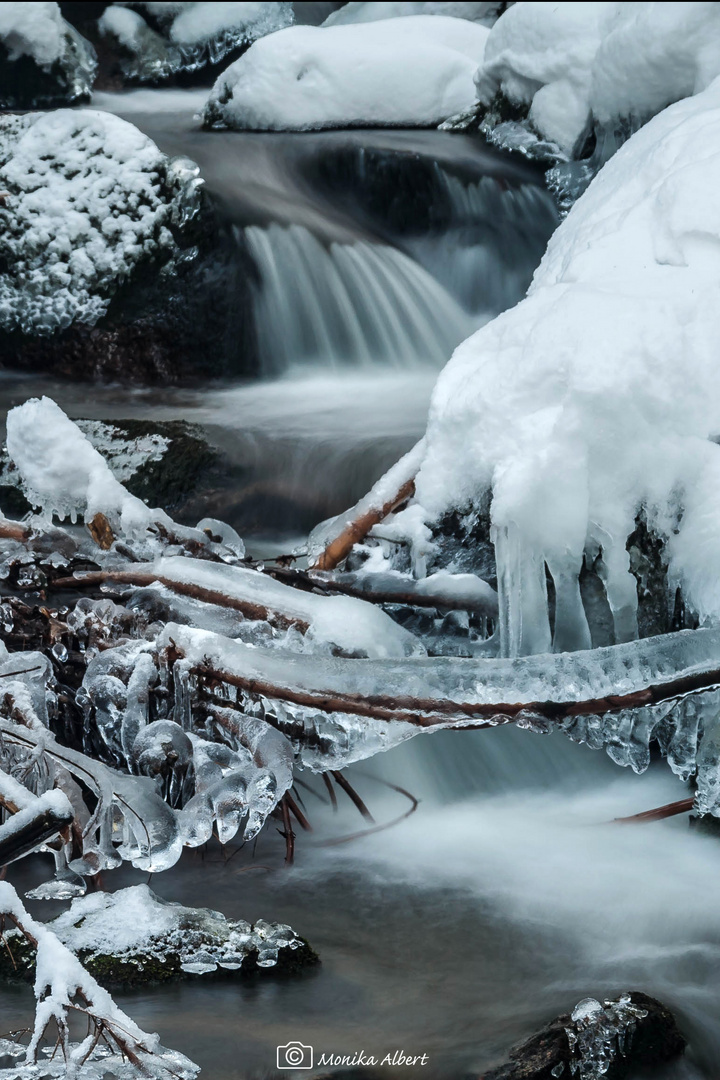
522 595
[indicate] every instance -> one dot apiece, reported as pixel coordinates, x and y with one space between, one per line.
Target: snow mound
406 72
88 199
191 36
43 60
358 12
597 396
572 65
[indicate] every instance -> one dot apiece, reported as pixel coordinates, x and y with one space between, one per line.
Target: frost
410 71
89 199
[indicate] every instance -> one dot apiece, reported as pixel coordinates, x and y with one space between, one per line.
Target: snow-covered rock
358 11
186 37
598 395
87 199
43 60
405 72
575 66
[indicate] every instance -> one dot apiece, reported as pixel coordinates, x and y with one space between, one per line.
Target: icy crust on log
572 67
62 985
89 199
43 60
189 37
374 705
412 71
597 395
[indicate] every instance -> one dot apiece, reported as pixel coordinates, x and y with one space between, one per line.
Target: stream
509 894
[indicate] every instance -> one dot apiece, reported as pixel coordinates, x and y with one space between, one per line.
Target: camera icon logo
294 1055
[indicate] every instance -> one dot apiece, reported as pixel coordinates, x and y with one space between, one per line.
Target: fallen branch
13 530
390 492
682 806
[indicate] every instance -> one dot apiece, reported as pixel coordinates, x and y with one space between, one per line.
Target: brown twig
682 806
358 529
352 794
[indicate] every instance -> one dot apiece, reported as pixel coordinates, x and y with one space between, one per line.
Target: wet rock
44 61
547 1055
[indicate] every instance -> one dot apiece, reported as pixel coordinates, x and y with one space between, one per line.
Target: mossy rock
17 964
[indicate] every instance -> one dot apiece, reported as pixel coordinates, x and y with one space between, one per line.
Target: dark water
507 896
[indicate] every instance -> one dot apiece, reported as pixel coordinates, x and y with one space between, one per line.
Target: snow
355 12
36 30
598 394
409 71
90 197
608 62
62 471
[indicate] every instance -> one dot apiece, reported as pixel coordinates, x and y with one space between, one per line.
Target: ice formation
46 61
410 71
575 67
597 396
599 1034
190 36
89 199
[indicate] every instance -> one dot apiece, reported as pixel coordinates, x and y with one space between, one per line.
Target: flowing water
509 894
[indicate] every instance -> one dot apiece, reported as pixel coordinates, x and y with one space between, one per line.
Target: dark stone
656 1041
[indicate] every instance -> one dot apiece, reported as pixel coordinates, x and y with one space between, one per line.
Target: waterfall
494 238
342 304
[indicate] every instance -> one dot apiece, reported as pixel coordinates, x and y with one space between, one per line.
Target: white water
348 303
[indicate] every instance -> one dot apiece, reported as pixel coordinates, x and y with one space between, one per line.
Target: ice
411 71
596 397
344 622
600 1033
90 198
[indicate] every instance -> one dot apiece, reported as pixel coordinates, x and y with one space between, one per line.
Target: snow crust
608 62
199 22
89 198
409 71
598 394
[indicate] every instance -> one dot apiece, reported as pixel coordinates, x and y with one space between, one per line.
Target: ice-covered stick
459 692
34 819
